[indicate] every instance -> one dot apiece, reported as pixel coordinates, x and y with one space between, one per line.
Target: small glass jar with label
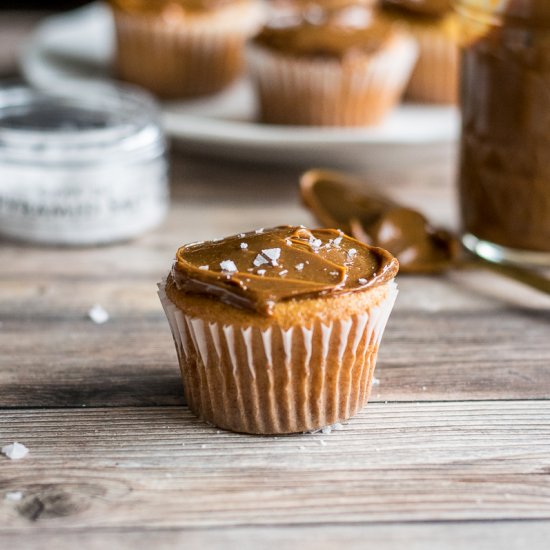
80 169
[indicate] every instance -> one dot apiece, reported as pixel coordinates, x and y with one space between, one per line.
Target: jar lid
95 126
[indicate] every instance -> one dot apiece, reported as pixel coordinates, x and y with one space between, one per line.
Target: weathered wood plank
65 360
513 535
161 467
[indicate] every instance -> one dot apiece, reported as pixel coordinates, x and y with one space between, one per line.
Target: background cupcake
180 48
326 66
278 331
435 28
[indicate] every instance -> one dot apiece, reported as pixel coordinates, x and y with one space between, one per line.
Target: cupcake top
435 8
318 31
259 269
171 7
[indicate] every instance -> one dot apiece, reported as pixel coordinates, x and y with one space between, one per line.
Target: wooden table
452 452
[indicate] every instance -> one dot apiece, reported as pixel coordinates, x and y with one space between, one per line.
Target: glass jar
504 176
82 168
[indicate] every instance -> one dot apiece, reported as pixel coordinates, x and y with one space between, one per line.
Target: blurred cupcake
182 48
435 26
326 66
277 331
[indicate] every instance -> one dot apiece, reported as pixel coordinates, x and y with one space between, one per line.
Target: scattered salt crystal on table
14 496
322 442
203 267
98 315
228 266
15 451
375 382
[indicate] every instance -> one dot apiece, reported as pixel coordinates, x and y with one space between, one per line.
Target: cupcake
277 331
434 25
182 48
330 67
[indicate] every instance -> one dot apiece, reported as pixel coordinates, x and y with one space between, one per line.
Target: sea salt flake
98 315
337 241
15 451
299 267
258 231
229 266
283 272
362 281
259 260
14 496
244 245
315 243
240 235
261 272
352 252
334 273
272 253
204 267
375 382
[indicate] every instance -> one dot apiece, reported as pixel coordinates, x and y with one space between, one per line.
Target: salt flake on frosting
352 252
204 267
362 281
272 253
244 246
299 267
229 266
259 260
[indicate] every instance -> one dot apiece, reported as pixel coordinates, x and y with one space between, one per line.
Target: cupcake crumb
98 314
15 451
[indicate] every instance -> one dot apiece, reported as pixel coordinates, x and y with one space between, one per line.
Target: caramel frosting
336 201
256 270
327 33
168 7
434 8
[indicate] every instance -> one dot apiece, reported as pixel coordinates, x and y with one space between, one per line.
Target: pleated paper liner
272 380
436 74
184 58
330 92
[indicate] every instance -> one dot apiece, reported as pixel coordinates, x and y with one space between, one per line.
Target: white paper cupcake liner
272 380
183 58
329 92
436 74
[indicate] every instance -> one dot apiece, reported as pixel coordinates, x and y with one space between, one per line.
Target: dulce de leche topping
257 270
336 200
435 8
327 32
168 7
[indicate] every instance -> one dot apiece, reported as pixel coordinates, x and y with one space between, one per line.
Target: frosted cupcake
330 67
277 331
435 27
182 48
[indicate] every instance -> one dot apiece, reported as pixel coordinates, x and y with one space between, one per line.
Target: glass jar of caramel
504 176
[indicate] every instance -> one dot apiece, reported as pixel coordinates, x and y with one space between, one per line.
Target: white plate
76 48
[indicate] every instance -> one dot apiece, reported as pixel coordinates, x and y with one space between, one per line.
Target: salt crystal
337 241
217 240
326 430
363 281
259 260
240 235
283 272
261 230
204 267
272 253
261 272
229 266
315 243
375 382
322 442
14 496
244 245
15 451
299 267
352 252
334 273
98 315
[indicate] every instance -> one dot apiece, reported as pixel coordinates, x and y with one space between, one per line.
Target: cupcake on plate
182 48
330 65
277 331
435 27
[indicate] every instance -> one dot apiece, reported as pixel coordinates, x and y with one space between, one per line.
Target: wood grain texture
161 467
